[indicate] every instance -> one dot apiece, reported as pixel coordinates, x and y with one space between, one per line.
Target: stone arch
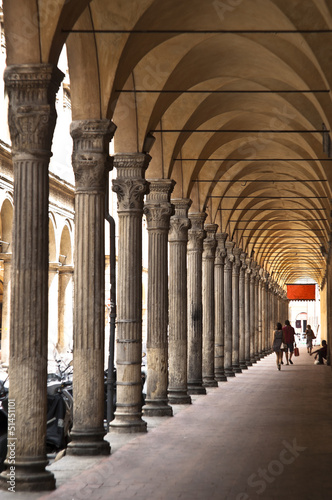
65 250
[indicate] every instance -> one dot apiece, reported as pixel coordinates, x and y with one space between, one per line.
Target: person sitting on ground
289 335
321 353
310 337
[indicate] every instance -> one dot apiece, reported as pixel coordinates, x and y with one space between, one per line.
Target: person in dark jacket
289 335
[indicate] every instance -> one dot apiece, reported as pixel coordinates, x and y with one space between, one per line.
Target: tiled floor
263 435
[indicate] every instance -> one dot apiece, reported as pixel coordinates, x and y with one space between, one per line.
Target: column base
157 408
30 475
236 369
220 377
88 443
128 424
196 388
243 365
229 372
210 382
179 398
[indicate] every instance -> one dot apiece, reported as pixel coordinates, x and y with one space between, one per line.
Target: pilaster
130 187
7 264
252 312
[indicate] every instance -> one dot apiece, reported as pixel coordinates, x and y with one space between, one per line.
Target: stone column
7 264
195 249
252 312
219 307
257 357
158 211
235 310
267 317
260 313
91 164
209 249
242 319
130 187
263 302
247 304
228 312
31 90
177 341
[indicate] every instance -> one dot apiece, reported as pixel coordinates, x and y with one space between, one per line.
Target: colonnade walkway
264 434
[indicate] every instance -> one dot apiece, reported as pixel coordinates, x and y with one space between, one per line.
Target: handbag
296 351
283 346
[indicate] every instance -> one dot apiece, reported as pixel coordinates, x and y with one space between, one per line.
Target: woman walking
278 339
310 337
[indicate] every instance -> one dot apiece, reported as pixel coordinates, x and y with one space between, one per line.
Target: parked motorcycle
59 414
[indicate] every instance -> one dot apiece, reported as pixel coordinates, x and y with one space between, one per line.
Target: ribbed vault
238 116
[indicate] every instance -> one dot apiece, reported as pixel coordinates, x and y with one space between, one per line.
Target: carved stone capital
158 208
229 255
196 233
31 114
90 157
243 257
221 249
237 257
179 222
210 243
130 184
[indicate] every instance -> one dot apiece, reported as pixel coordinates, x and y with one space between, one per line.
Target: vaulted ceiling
236 92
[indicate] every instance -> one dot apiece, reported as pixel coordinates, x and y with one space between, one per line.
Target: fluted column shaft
235 311
158 211
7 264
31 89
90 163
242 319
263 302
209 249
252 313
219 307
177 340
130 186
247 304
228 311
260 314
256 327
195 249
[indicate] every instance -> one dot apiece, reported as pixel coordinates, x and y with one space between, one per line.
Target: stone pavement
263 434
